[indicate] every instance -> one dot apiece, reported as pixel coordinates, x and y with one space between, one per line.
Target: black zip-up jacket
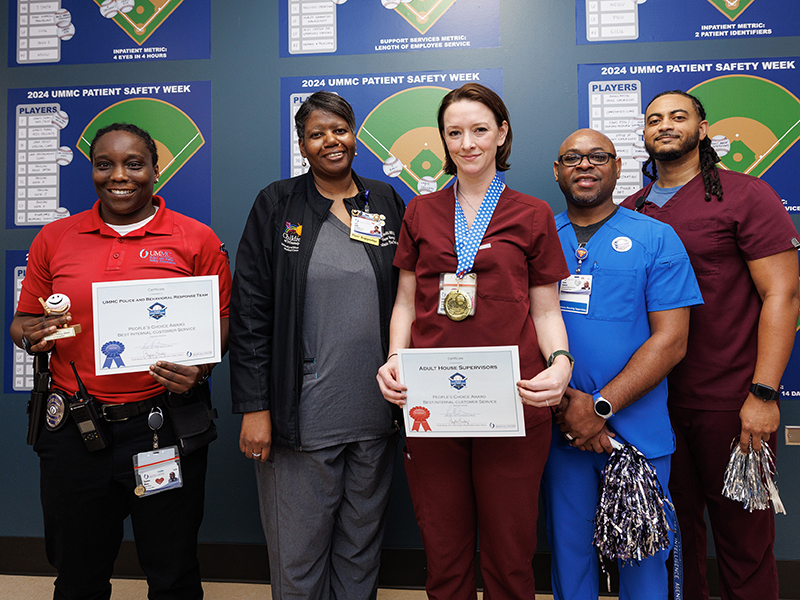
265 339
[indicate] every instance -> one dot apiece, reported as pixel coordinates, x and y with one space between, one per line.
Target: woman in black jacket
311 304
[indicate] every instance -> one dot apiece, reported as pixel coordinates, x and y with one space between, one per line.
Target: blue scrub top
638 265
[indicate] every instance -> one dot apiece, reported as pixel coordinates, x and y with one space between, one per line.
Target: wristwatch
26 345
558 353
602 407
766 393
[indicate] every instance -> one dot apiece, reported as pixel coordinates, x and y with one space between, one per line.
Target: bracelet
390 356
558 353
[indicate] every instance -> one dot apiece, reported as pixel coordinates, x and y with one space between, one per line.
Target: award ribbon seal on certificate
113 351
457 305
420 415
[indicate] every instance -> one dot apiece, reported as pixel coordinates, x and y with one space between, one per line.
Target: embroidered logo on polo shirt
158 256
291 237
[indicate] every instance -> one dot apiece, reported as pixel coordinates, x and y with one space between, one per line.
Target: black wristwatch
26 345
766 393
602 407
558 353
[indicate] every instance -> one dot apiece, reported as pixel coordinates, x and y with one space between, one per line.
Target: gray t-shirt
341 401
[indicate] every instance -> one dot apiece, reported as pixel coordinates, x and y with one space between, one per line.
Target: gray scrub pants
324 516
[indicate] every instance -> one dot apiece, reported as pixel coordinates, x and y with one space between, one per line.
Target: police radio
83 409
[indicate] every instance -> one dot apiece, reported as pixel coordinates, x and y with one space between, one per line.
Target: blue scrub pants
571 489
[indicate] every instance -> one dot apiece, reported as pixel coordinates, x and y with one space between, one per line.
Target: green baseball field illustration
755 121
176 136
731 8
138 18
421 14
403 133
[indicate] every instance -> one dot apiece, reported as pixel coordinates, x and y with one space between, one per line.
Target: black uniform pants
86 496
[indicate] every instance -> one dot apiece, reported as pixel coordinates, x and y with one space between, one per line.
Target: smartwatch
766 393
602 407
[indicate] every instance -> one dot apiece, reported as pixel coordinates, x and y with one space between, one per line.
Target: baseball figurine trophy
59 304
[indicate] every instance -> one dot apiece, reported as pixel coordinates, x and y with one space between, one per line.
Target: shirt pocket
701 238
613 294
502 273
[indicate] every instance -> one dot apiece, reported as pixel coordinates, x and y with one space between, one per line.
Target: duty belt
115 413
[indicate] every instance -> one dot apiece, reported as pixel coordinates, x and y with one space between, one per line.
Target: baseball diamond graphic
755 121
176 136
402 132
731 8
138 18
423 14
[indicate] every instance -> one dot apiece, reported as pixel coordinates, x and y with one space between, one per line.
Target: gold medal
139 490
457 305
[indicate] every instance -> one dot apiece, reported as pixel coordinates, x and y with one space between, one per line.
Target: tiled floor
14 587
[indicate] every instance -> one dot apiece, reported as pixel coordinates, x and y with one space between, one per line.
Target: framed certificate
462 392
141 321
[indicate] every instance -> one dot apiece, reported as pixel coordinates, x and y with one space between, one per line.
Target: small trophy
59 304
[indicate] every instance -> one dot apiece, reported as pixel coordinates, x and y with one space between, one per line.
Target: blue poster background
18 365
367 27
677 20
365 92
187 191
184 34
610 83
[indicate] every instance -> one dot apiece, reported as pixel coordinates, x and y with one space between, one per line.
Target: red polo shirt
68 255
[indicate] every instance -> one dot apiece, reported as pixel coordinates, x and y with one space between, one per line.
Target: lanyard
468 240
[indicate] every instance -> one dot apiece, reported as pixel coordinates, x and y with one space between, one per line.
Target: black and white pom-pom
750 479
631 521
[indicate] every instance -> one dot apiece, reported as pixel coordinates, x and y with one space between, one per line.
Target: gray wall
538 56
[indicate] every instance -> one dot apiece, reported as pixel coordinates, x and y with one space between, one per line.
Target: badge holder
159 469
457 295
366 227
575 292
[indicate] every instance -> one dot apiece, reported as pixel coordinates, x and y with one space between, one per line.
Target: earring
304 162
356 154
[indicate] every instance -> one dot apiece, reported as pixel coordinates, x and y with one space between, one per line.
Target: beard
670 154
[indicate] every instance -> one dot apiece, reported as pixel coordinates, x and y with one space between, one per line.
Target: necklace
464 198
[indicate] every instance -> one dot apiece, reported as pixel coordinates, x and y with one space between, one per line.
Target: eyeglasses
595 158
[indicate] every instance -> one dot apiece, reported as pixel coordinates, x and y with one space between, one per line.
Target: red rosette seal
420 415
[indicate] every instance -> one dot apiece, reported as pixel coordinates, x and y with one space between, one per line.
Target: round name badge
622 244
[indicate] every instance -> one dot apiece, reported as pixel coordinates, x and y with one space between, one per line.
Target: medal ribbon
468 240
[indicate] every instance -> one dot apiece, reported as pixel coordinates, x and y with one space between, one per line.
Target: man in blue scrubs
626 308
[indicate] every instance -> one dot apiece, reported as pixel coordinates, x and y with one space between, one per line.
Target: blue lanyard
468 240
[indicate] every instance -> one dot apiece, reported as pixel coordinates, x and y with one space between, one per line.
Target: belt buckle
106 416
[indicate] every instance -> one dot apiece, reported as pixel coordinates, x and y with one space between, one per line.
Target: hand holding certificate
462 392
137 323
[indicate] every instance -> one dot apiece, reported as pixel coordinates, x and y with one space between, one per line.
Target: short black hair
328 102
129 128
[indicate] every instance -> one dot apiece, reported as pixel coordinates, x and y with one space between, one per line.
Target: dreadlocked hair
708 156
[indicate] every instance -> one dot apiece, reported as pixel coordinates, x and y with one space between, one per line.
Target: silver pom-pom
631 521
750 479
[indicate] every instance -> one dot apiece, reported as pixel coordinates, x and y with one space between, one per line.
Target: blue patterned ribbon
468 239
112 350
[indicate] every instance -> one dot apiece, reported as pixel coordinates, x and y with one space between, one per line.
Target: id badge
157 471
366 227
574 294
457 298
